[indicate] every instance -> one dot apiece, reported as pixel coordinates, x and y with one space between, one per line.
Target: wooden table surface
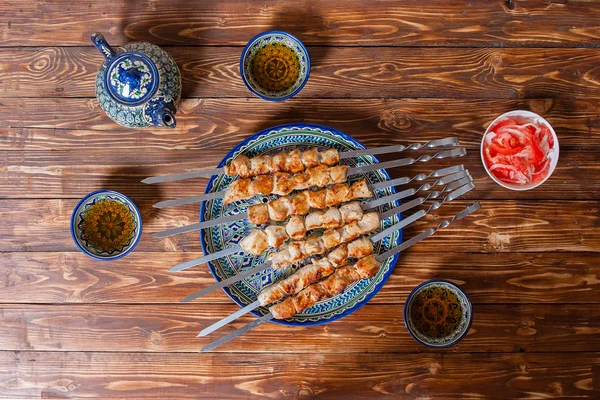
383 71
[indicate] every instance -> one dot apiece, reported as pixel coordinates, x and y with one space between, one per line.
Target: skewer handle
229 318
201 225
447 142
184 175
209 257
234 334
227 282
189 200
459 152
416 239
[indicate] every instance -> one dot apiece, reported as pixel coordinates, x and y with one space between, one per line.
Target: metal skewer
381 258
235 248
459 152
447 142
236 217
259 268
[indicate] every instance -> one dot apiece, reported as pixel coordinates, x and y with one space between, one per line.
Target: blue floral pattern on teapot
138 85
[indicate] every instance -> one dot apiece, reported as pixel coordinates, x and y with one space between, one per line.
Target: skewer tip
202 333
147 180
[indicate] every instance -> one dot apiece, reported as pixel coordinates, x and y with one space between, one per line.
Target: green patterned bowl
427 311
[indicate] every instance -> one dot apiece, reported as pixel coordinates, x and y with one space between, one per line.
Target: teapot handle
100 43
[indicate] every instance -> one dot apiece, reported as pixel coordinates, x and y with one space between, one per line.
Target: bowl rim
553 164
86 252
245 51
462 335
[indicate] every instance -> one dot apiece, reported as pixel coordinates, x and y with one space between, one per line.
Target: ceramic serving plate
269 141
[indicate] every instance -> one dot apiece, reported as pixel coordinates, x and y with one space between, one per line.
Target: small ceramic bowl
77 220
278 66
434 311
553 155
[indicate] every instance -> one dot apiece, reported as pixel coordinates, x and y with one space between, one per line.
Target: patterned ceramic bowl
216 238
275 65
438 314
78 234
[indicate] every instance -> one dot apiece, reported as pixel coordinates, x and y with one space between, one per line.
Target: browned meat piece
262 184
255 243
296 252
313 220
351 212
295 228
308 297
331 218
283 310
338 256
237 190
259 165
349 232
316 199
338 173
367 267
279 209
369 222
306 276
313 245
258 214
339 281
276 235
277 162
360 248
300 204
293 162
270 295
319 176
329 157
281 258
360 190
337 194
310 157
239 166
331 238
283 183
301 181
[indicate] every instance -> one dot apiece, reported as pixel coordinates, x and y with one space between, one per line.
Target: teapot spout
167 118
100 43
162 113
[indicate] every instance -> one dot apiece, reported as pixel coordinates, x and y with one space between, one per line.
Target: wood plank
144 278
222 123
500 226
73 174
336 73
372 329
325 23
239 376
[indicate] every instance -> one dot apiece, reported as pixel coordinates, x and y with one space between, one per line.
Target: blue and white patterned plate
269 141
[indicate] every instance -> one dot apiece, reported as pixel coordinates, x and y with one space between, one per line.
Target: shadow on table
127 180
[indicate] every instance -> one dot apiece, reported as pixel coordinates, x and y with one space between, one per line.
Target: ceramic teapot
138 85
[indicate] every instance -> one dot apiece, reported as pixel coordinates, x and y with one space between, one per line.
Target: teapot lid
131 78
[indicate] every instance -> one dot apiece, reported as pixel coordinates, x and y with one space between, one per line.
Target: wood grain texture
500 226
183 376
143 278
335 72
207 124
372 329
327 22
384 72
73 174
